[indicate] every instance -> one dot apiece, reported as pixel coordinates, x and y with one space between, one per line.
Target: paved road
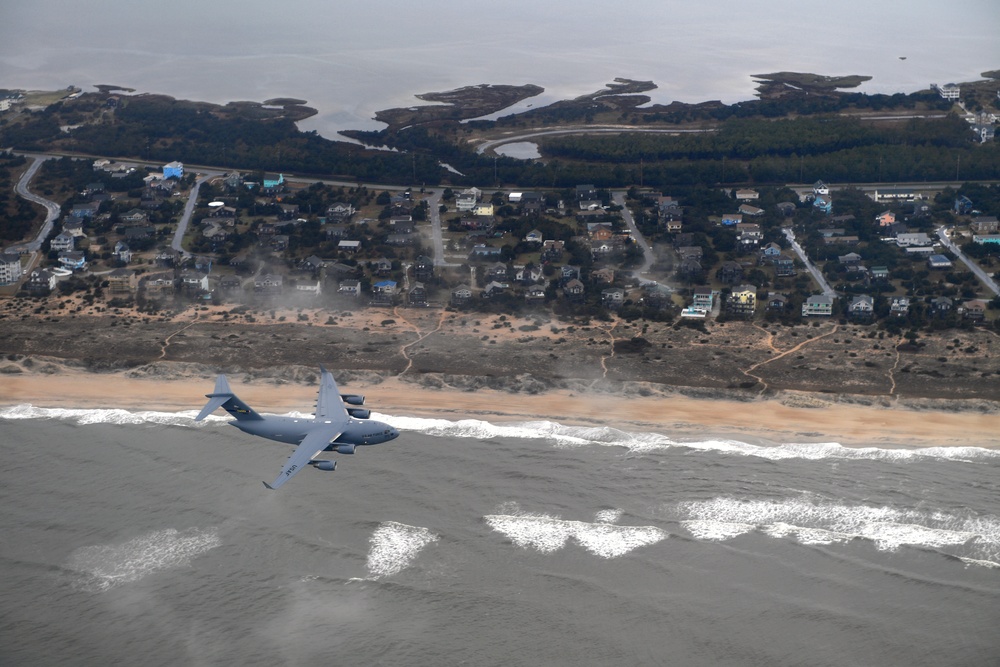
585 129
618 198
182 225
52 209
437 239
984 277
816 273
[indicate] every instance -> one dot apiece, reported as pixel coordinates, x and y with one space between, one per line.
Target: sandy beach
777 420
821 384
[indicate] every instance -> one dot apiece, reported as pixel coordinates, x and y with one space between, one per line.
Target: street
816 273
984 277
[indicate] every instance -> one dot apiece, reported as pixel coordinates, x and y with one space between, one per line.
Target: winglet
269 486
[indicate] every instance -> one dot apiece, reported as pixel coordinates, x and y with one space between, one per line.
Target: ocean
144 538
350 60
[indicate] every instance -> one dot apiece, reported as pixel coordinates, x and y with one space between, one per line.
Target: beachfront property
40 283
10 268
349 287
861 307
122 282
742 301
818 305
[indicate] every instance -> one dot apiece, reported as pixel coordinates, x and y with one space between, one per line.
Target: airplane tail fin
223 397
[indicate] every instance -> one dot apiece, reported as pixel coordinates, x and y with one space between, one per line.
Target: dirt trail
895 365
798 347
604 358
166 341
402 350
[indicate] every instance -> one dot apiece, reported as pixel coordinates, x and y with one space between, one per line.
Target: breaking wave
973 539
558 434
548 533
394 546
106 416
109 565
579 436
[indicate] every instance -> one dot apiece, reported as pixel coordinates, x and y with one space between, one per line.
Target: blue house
272 184
823 203
963 205
173 170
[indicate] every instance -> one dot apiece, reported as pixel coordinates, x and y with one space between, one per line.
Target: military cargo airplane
338 426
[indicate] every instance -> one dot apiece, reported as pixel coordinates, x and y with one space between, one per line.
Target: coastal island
735 295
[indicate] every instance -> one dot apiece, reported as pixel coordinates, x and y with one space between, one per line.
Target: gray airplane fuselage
293 429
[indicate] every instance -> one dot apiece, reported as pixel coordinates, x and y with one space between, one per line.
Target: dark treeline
802 150
748 139
678 112
743 151
17 215
163 129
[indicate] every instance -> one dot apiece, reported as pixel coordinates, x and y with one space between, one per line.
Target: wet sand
770 420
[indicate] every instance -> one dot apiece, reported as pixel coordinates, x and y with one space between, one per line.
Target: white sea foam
106 416
578 436
548 533
973 538
109 565
558 435
608 516
394 546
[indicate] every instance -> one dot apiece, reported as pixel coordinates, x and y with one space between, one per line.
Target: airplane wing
315 441
329 406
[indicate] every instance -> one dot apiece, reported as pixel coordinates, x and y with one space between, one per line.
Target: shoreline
761 421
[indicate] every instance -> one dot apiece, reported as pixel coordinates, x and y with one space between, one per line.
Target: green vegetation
17 216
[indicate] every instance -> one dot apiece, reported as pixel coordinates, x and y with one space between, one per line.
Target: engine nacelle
359 413
328 466
344 449
353 399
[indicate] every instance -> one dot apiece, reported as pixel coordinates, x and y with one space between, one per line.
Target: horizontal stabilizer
214 402
223 397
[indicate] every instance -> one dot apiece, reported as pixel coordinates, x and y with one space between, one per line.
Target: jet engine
329 466
359 413
353 399
344 449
